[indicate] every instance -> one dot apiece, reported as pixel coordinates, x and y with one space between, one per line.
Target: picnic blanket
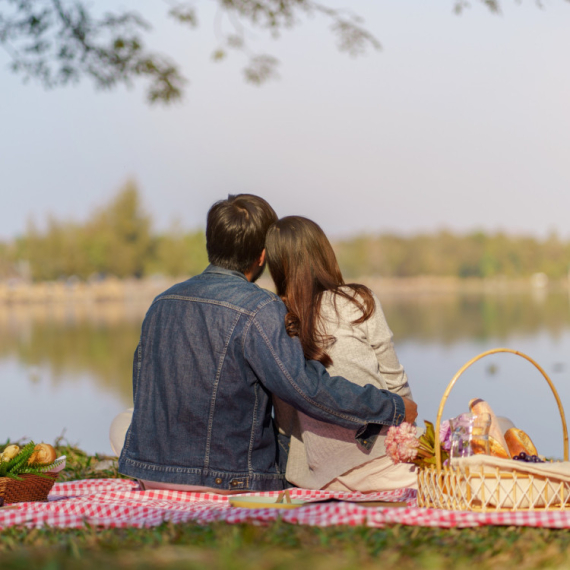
121 503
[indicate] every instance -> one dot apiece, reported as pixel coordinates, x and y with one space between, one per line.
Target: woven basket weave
30 488
454 488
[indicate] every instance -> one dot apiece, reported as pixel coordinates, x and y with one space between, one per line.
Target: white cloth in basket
507 484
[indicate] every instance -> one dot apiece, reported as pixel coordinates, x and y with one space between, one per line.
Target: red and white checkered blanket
120 503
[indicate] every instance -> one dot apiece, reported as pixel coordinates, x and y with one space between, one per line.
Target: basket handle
464 368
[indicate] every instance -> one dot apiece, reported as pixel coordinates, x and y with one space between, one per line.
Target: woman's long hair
303 266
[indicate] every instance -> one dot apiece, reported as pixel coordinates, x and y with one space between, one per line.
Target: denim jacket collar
223 271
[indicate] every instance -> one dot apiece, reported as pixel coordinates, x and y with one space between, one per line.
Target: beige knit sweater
363 354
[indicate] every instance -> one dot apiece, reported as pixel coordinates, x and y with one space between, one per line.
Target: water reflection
77 359
70 341
447 319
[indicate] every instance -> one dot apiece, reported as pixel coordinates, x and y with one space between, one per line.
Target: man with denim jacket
212 351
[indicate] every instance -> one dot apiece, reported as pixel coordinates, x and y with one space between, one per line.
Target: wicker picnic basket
30 488
508 487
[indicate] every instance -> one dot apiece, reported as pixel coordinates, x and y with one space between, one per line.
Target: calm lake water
67 369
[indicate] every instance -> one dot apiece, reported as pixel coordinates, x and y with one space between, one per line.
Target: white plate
264 503
59 467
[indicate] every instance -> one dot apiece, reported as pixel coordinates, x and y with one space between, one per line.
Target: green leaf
36 469
21 459
14 476
430 433
32 471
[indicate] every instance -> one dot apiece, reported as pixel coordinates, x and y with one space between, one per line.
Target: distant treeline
444 253
118 240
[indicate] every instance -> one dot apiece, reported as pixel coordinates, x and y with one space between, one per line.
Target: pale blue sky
460 122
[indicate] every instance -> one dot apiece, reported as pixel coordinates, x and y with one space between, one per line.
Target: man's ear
262 258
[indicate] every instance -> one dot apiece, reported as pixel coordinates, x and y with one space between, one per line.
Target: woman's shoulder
351 292
335 302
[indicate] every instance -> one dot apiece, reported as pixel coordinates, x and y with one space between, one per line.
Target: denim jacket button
233 483
218 481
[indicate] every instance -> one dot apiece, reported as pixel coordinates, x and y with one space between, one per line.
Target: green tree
115 240
118 238
6 261
55 252
176 253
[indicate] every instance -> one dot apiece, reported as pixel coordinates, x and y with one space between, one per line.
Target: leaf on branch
235 41
353 39
127 20
219 54
493 6
185 15
167 82
267 13
261 69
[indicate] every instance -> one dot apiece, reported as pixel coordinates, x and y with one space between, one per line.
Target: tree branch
59 42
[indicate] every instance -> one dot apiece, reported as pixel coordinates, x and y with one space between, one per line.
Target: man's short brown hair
236 230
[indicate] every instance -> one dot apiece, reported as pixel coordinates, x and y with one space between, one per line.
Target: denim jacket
212 351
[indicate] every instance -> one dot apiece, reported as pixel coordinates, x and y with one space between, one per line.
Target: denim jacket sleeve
279 363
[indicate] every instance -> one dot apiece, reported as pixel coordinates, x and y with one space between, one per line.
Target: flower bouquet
404 446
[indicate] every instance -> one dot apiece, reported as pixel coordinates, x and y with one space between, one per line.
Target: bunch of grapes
522 456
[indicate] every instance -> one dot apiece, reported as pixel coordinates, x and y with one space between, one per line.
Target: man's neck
254 273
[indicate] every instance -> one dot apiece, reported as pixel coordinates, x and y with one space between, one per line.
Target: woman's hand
411 410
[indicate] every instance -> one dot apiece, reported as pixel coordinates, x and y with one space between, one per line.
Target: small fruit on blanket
478 406
43 454
10 452
518 441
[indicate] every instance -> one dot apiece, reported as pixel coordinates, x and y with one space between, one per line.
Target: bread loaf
518 441
478 406
43 454
495 448
10 452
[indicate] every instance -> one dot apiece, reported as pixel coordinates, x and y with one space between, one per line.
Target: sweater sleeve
380 337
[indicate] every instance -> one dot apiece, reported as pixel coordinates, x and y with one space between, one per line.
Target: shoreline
144 290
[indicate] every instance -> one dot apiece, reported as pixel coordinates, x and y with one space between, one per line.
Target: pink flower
401 443
445 435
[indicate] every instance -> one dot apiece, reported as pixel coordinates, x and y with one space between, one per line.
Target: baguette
478 406
518 441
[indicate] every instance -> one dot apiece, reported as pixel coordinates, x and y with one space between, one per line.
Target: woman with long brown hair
343 327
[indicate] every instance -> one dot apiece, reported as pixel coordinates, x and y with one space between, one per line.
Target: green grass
281 546
277 546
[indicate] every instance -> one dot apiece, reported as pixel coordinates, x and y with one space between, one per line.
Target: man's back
194 391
